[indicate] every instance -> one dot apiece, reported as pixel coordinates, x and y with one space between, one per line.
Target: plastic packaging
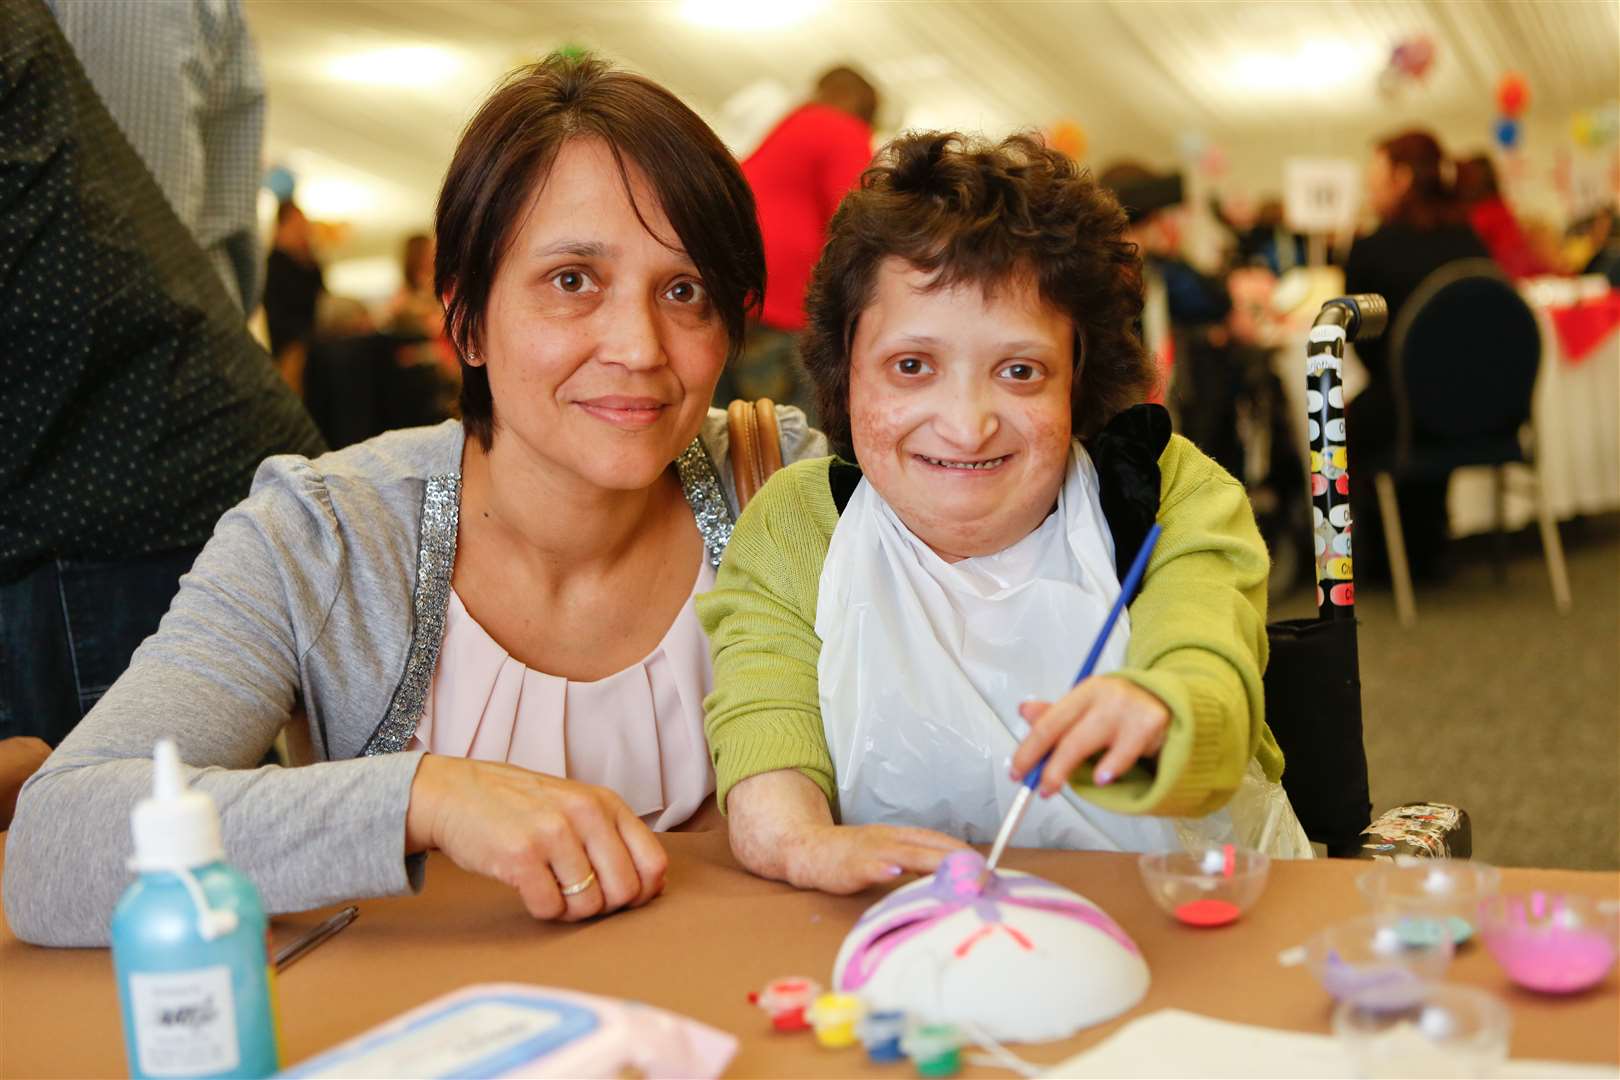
514 1030
189 944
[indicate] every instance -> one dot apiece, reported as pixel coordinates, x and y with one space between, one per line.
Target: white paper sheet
1174 1043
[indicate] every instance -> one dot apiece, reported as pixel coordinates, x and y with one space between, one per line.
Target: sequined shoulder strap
701 482
435 559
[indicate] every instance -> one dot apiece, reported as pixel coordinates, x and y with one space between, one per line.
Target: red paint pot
1208 912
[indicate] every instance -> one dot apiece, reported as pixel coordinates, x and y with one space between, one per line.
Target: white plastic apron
924 663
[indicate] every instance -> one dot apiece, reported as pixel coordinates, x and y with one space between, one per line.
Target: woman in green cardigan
894 631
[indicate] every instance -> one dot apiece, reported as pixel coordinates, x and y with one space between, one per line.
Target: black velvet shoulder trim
1126 453
843 478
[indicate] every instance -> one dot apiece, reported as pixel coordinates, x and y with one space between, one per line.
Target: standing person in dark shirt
134 405
1423 226
293 285
799 174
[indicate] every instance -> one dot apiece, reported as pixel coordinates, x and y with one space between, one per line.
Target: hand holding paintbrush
1110 713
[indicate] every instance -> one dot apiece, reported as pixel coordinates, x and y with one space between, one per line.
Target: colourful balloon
1506 132
1069 138
1413 56
1581 129
281 181
1512 94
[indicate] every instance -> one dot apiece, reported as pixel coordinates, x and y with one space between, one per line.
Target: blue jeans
67 631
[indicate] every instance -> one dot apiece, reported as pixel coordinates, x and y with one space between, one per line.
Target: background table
1577 422
718 933
1576 410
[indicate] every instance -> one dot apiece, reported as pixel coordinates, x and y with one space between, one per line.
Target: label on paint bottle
185 1022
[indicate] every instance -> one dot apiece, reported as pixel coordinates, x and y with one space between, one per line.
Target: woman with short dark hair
891 632
488 624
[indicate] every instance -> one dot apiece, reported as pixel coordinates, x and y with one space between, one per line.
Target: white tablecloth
1577 423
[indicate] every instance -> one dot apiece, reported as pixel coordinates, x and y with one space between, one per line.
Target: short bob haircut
968 210
505 155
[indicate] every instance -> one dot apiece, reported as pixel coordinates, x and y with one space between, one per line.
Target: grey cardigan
326 587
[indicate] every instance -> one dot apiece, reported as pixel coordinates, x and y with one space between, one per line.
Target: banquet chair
1464 354
361 386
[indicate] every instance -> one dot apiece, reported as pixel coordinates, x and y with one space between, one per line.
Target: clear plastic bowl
1205 886
1556 943
1440 1031
1374 953
1447 891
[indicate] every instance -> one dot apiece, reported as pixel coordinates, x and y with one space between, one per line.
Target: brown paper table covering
718 932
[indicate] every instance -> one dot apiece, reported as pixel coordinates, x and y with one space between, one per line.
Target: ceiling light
1314 66
747 14
403 65
327 198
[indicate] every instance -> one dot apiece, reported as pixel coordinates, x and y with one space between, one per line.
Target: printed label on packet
474 1038
185 1022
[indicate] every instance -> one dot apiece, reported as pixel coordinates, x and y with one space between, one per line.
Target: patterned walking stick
1347 318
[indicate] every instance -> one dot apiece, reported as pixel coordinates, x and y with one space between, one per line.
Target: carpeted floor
1496 703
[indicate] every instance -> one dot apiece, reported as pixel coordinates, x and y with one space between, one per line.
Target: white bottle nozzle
167 783
177 830
177 826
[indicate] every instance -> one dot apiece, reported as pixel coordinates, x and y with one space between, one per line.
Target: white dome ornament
1022 961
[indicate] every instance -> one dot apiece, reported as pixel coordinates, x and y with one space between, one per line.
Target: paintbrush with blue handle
1020 806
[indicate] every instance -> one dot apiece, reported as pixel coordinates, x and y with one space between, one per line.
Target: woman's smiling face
959 407
602 345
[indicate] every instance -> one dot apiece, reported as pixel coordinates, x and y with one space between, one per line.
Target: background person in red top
1495 223
799 174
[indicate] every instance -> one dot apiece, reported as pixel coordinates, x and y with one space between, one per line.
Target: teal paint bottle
189 944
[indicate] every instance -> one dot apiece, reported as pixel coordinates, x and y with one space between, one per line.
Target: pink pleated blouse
638 731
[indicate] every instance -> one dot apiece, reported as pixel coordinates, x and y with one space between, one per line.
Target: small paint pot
834 1016
935 1049
1553 943
1436 1030
1433 896
1373 957
880 1033
785 1001
1206 886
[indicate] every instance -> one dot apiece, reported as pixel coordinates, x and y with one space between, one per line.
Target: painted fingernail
1104 777
893 871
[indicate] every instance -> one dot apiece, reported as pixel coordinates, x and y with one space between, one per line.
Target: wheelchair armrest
1426 830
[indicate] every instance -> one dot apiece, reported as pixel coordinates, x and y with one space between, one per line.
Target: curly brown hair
965 209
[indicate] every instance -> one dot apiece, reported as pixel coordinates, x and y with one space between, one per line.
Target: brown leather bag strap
756 446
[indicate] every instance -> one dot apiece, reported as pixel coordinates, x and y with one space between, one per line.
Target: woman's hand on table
845 859
782 828
1106 715
537 834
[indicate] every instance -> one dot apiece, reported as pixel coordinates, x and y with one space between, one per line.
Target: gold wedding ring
579 886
